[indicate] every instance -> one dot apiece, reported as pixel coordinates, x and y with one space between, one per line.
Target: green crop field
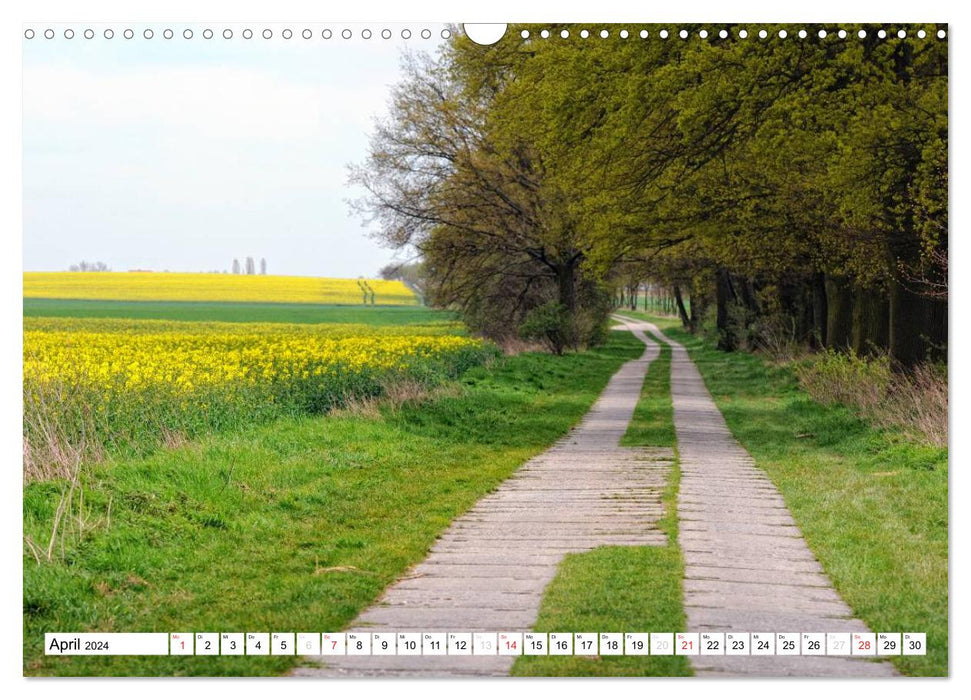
234 312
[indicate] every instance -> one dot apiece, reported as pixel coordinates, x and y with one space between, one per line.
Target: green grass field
236 312
871 505
296 525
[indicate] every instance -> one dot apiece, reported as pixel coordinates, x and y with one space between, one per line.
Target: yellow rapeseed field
172 286
141 326
96 387
122 354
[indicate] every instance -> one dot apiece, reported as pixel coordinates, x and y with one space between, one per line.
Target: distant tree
85 266
262 266
365 290
236 269
250 266
391 271
411 273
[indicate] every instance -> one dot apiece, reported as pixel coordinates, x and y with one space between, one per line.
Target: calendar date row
488 643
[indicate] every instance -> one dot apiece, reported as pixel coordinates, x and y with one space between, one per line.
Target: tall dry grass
911 400
395 395
56 439
918 399
72 520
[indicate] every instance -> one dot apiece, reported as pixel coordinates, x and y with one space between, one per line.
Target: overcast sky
183 154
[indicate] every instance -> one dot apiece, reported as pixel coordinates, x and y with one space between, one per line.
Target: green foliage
914 402
92 422
778 160
550 323
845 378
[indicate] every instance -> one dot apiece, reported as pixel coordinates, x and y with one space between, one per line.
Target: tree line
85 266
771 185
237 269
250 266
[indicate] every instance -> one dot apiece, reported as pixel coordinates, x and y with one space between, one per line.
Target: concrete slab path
488 571
747 566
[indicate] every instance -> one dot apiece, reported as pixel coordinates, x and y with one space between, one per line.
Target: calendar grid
390 643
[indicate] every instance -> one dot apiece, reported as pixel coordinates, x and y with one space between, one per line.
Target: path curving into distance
747 566
488 571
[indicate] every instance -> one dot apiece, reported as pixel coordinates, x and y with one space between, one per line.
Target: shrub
913 401
846 378
776 336
918 403
550 324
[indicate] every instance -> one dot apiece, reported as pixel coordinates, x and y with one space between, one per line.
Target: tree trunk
839 313
698 305
817 337
871 320
723 295
747 293
918 326
567 286
682 312
566 283
937 329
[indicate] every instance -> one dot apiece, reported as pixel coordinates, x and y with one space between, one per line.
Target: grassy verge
653 421
623 589
871 503
293 526
235 312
